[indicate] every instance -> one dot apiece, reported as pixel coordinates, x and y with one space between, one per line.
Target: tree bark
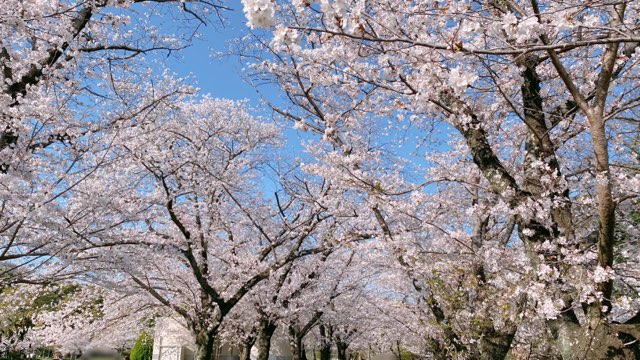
606 207
295 341
341 347
266 328
247 345
539 147
495 344
205 344
325 342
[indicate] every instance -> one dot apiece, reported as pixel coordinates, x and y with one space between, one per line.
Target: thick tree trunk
342 347
325 352
205 344
601 342
295 341
325 342
495 344
266 328
246 347
539 148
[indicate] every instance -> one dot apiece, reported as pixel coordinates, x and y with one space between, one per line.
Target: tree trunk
266 328
601 342
495 344
342 346
325 342
247 345
205 344
606 207
295 341
325 352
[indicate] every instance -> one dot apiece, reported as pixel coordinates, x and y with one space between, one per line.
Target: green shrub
143 348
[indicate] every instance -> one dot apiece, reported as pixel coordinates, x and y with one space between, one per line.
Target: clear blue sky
221 77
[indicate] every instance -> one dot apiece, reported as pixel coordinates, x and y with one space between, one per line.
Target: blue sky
221 77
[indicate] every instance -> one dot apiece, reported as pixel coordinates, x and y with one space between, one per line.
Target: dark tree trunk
325 352
247 345
325 342
205 344
495 344
266 328
342 347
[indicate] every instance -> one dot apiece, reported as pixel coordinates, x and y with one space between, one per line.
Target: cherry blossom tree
95 317
526 113
473 176
297 299
270 305
180 213
307 305
35 316
71 70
